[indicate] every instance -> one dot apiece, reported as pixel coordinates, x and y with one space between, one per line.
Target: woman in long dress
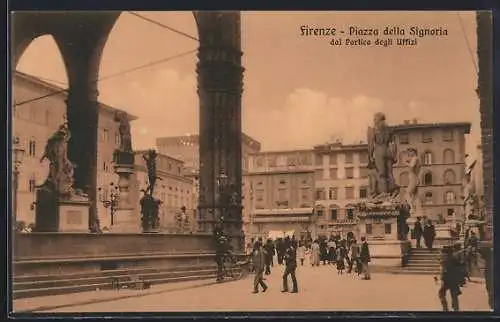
315 253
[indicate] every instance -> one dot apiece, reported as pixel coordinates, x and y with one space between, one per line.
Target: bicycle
230 267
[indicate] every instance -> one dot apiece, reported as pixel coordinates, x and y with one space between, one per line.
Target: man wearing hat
259 263
450 278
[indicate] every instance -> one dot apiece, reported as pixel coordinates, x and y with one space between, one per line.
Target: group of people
347 254
427 231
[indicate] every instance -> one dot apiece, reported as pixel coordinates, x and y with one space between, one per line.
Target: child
301 252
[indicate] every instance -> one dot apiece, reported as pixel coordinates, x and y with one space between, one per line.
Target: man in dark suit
364 258
291 265
417 232
259 261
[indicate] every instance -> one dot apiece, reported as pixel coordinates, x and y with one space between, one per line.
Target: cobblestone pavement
320 289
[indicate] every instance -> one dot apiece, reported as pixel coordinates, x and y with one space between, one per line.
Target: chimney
415 121
406 122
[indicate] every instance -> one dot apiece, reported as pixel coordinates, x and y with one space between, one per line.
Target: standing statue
61 170
413 163
150 158
382 156
124 129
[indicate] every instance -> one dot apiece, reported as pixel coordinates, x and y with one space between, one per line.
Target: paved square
320 289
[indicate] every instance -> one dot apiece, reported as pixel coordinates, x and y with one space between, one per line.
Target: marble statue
61 170
381 156
413 163
124 130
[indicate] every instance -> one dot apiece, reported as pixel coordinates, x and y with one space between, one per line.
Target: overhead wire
162 25
111 76
469 47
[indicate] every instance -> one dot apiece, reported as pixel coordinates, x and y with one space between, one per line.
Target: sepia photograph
251 161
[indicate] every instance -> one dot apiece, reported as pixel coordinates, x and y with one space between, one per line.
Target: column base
126 222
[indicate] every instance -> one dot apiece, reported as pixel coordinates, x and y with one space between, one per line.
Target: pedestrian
331 250
301 253
450 279
269 253
323 251
280 250
341 257
429 234
259 264
290 268
461 258
364 257
417 232
315 253
354 252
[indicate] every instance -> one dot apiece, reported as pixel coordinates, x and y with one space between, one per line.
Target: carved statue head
379 120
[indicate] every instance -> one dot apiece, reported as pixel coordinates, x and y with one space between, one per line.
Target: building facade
186 148
173 189
341 181
279 193
441 147
34 122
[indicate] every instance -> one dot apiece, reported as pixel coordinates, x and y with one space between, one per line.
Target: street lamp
112 202
18 154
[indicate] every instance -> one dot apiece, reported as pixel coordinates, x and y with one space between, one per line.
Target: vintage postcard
274 161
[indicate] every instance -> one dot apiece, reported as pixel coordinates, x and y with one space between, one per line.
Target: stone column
220 83
127 218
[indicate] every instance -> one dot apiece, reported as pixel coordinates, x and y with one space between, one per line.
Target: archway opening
39 108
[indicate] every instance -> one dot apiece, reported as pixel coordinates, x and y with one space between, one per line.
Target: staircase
43 285
422 261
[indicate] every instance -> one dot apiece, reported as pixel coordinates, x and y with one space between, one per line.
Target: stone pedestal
384 227
54 214
444 235
127 219
74 216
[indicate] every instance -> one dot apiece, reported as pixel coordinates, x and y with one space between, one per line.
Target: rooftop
159 155
414 125
56 90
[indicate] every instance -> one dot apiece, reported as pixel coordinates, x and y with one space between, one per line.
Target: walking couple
259 260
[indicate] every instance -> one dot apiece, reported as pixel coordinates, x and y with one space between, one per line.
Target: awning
292 211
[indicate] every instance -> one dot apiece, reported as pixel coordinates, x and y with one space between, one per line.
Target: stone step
415 272
94 280
17 294
103 273
422 265
421 269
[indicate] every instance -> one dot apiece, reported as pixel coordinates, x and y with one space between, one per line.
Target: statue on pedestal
61 170
124 129
150 206
413 163
381 158
471 200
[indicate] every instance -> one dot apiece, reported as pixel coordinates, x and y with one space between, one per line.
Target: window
404 179
333 159
448 135
117 138
363 172
428 198
320 194
333 213
448 156
320 174
427 159
47 117
282 181
426 136
388 229
450 197
363 157
450 212
449 177
428 179
32 148
348 157
349 173
363 192
105 135
369 229
350 214
404 138
104 166
320 212
333 193
349 193
32 184
318 160
334 174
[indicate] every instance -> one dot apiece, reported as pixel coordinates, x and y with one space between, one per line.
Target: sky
312 91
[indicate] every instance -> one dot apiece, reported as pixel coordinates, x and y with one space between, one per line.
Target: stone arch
448 156
449 177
